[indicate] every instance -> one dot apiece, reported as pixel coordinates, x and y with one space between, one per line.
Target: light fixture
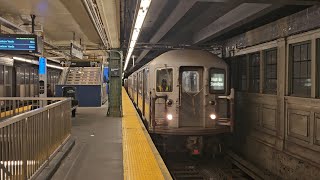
213 116
143 10
169 117
35 62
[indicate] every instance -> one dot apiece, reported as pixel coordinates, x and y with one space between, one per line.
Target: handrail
22 116
32 98
28 141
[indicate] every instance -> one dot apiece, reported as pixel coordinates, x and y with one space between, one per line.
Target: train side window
164 80
190 81
301 69
22 80
140 82
146 74
134 82
270 71
217 81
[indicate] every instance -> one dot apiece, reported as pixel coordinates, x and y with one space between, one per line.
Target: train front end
192 107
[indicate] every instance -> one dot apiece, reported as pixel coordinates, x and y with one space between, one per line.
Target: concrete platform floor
98 150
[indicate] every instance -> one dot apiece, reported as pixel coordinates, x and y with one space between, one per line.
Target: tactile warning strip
139 159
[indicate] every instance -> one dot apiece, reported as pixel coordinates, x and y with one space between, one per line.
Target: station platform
111 148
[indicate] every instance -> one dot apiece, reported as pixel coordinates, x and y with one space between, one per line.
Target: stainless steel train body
22 79
195 101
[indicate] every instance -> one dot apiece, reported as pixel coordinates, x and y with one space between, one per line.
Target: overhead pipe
12 25
33 17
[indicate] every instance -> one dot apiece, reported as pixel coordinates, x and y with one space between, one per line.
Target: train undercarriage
207 146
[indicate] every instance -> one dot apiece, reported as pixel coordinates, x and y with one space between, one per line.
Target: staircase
84 76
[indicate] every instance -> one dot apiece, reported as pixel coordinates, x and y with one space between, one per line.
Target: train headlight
169 117
213 116
169 102
212 102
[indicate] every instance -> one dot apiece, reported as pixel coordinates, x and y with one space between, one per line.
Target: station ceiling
61 21
199 23
107 24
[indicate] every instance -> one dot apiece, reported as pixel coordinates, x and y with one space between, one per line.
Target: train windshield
190 81
217 80
164 80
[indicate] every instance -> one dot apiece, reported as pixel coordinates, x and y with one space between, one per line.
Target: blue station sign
42 65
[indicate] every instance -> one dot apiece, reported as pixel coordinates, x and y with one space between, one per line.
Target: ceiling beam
236 17
109 13
181 9
285 2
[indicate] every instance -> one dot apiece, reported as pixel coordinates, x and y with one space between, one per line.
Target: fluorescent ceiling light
143 10
36 62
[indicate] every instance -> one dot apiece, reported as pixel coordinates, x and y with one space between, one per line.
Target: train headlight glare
213 116
169 117
212 103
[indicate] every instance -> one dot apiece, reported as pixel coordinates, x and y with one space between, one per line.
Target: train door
2 91
137 90
20 82
8 81
36 82
27 82
191 94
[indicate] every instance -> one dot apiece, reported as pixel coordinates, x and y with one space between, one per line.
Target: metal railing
29 139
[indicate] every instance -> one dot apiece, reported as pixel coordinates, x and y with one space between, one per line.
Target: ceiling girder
181 9
235 17
247 11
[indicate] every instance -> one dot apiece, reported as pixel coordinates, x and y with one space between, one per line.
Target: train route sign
16 42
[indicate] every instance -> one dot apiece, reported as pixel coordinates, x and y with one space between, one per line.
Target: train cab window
301 69
190 81
164 80
217 81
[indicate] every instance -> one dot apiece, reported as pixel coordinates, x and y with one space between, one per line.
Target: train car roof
186 58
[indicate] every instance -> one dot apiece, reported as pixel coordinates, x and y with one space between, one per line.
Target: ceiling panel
57 17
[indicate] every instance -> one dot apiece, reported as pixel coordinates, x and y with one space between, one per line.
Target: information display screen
18 42
217 80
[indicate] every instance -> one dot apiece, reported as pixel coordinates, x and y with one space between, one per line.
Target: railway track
228 167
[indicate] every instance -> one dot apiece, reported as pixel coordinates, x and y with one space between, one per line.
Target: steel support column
115 83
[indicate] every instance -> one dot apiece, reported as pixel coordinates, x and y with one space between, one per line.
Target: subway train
184 99
21 79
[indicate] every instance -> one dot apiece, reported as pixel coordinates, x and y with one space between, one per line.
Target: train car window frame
217 71
254 72
189 86
270 71
134 82
300 59
146 74
158 81
140 82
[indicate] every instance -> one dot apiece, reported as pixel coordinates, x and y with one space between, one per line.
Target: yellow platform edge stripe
141 159
17 110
